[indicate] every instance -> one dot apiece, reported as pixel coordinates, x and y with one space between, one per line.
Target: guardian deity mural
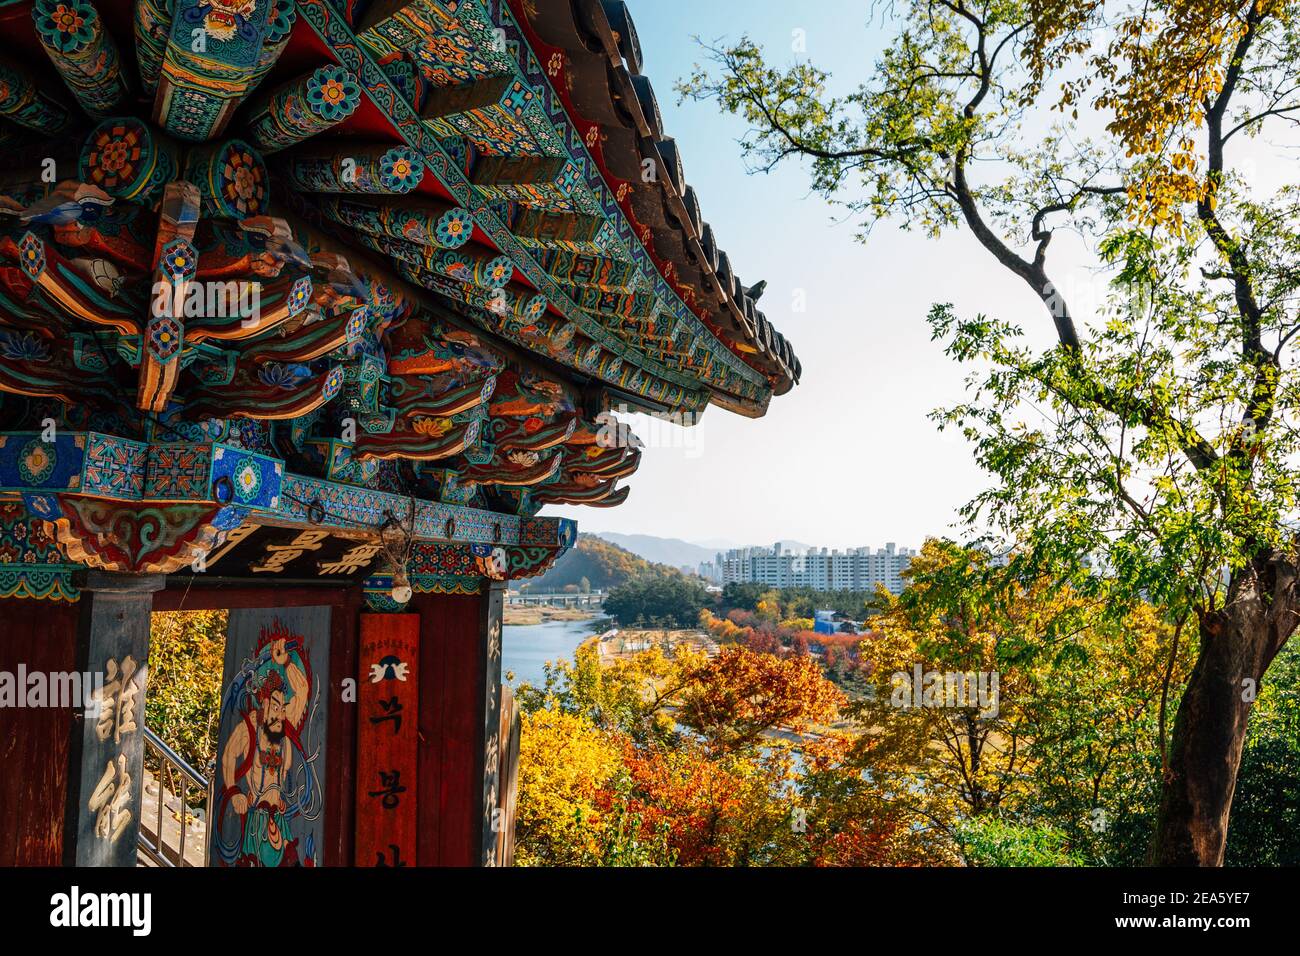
269 759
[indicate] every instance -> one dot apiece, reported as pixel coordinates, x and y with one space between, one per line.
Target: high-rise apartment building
856 569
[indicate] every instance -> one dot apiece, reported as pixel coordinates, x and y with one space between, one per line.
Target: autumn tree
602 564
673 761
1057 736
798 602
962 750
1156 441
631 696
186 661
566 766
736 698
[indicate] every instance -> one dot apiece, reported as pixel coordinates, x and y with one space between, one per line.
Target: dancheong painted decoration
304 297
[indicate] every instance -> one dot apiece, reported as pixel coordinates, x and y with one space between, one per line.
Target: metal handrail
172 765
172 756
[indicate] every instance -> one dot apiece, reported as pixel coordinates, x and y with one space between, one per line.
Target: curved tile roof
605 87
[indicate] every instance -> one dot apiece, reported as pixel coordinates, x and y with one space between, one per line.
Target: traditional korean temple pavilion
307 309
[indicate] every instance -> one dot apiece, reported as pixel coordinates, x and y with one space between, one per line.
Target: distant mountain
677 553
794 546
673 552
717 544
602 563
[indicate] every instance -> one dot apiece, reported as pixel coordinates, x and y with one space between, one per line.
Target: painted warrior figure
257 762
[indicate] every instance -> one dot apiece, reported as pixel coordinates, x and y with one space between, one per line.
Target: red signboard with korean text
388 694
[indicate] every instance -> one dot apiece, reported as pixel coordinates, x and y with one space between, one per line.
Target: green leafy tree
1265 828
658 600
743 595
993 842
1156 440
1066 740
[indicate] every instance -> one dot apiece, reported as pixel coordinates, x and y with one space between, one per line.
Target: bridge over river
593 599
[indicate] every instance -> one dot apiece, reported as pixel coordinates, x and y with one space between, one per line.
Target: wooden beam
29 103
346 166
175 266
480 94
203 78
517 170
489 749
542 225
381 10
87 60
303 107
427 221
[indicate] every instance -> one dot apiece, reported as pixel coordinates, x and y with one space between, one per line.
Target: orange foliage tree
656 760
738 696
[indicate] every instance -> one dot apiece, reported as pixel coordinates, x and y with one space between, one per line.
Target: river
526 647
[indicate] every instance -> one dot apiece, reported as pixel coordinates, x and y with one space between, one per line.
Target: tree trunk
1238 642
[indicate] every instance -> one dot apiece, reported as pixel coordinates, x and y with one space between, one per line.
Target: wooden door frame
346 605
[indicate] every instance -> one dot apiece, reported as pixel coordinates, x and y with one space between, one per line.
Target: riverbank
514 614
627 642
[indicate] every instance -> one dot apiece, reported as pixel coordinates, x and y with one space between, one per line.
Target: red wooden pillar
37 637
460 700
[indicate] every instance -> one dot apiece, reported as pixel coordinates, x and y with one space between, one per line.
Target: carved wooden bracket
141 538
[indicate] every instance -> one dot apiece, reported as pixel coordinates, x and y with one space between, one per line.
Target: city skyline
821 569
722 545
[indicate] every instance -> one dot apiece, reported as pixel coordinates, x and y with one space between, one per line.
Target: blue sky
848 457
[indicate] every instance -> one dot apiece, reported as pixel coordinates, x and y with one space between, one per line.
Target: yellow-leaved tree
1019 703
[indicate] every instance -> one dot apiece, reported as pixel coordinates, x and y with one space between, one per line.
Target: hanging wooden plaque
387 737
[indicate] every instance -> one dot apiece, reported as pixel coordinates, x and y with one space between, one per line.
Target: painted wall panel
270 789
